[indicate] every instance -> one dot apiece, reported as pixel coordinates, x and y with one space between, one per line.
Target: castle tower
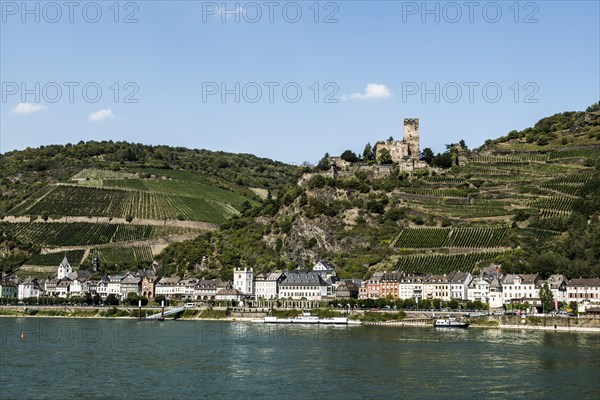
64 269
411 136
243 280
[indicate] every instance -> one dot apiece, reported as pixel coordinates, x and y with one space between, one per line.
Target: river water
111 359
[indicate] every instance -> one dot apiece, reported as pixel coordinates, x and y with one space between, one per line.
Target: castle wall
406 152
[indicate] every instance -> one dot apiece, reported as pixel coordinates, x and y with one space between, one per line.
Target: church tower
411 136
64 269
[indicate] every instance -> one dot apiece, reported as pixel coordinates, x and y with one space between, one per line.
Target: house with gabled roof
266 286
303 284
521 288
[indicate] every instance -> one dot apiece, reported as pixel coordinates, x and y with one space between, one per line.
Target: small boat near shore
308 319
449 322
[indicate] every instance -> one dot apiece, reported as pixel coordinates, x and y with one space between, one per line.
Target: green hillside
529 200
531 206
105 193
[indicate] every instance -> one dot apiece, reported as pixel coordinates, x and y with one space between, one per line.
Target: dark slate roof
586 282
301 278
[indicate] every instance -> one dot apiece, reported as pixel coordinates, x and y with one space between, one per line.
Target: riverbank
582 324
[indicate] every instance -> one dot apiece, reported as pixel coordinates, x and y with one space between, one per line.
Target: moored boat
450 322
307 318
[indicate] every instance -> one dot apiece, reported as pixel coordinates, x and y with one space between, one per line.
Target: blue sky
362 68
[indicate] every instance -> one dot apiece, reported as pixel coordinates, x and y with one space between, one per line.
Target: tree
368 153
427 155
385 157
443 160
546 298
463 144
323 164
349 156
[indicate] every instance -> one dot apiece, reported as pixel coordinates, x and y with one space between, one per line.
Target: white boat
450 322
307 318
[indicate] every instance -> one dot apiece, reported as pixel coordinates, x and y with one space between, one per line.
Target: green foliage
350 156
546 297
384 157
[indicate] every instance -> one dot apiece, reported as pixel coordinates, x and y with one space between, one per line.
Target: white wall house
459 285
558 287
303 284
28 288
130 284
479 290
267 287
584 290
166 287
520 288
63 288
436 287
208 289
411 287
243 280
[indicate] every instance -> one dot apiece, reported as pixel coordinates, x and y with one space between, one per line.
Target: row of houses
319 283
491 287
145 283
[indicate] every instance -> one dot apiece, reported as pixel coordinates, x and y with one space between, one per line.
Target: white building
267 287
436 287
185 288
208 289
130 284
459 285
28 288
63 288
411 287
495 296
558 287
167 287
102 287
64 269
479 290
114 284
520 288
303 285
243 280
325 269
584 291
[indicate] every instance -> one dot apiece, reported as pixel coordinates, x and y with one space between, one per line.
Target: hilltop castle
406 152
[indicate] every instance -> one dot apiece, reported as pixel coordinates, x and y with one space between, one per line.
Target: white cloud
372 91
26 108
101 115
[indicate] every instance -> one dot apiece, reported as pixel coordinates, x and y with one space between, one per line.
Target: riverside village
382 296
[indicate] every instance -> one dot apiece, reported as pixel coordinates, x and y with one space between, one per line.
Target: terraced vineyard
569 185
422 238
443 263
86 234
75 257
451 237
86 201
511 158
538 233
553 206
585 152
121 255
439 192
